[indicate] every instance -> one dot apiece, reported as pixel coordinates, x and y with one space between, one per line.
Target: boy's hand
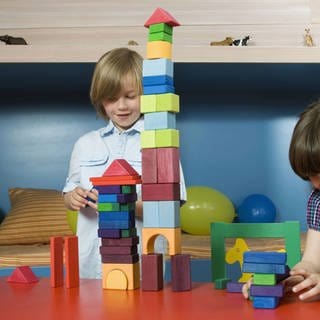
246 288
80 198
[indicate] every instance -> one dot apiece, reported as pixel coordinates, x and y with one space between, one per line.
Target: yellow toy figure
308 38
235 254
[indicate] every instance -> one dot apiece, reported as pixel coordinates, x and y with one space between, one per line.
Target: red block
149 165
168 165
23 274
181 272
56 261
72 261
161 191
120 167
161 16
152 272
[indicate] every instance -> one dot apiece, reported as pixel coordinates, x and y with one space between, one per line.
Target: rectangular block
119 258
168 164
158 89
116 224
109 233
181 272
56 261
163 191
265 257
234 286
107 250
160 36
159 120
131 241
117 198
152 272
158 27
116 215
267 291
72 261
157 80
266 279
159 49
265 302
149 165
263 268
108 189
157 67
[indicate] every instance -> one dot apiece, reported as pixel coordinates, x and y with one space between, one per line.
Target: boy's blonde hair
304 151
109 74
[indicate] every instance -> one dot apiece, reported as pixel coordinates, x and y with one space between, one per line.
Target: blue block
265 302
158 89
116 224
121 198
265 257
157 80
107 198
263 268
116 215
157 67
159 120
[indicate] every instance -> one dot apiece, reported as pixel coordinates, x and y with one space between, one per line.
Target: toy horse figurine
308 38
241 42
226 42
235 254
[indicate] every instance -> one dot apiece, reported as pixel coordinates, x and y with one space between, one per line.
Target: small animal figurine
241 42
308 38
226 42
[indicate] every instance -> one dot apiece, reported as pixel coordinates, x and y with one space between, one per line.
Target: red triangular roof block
120 167
23 274
161 16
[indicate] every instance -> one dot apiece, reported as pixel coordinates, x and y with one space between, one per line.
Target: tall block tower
160 156
119 240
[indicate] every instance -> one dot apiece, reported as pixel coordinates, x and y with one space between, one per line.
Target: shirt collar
110 128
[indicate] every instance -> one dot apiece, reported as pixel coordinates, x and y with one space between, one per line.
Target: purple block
234 286
118 250
267 291
127 197
131 241
120 258
109 233
108 189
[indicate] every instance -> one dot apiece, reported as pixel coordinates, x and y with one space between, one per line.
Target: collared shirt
313 210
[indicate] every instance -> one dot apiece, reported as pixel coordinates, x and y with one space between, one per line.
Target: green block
290 231
160 36
266 279
128 189
158 27
167 138
168 102
221 283
127 233
148 103
128 206
108 206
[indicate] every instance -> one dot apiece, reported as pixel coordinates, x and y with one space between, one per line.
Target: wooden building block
221 283
157 67
265 302
167 138
163 191
109 233
152 272
116 224
148 139
107 250
159 49
265 257
157 80
120 258
158 27
116 215
56 261
266 279
173 236
168 102
72 261
234 286
160 36
263 268
121 276
113 189
120 167
159 120
23 274
161 16
149 165
131 241
148 103
158 89
168 164
267 291
181 272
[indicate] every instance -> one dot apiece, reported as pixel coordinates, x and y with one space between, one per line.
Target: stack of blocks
119 240
160 158
268 269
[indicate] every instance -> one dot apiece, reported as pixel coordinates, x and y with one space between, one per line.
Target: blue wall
235 124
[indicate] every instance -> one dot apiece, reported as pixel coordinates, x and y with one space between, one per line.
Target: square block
159 120
159 49
168 102
158 27
148 103
166 138
265 302
148 139
157 67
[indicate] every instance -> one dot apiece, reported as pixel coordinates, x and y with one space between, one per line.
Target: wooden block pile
119 240
268 269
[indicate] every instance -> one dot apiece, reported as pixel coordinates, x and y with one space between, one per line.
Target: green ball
203 206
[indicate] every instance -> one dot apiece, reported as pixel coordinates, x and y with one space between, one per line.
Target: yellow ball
205 205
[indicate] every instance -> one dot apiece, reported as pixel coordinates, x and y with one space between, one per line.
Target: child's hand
246 288
307 282
78 198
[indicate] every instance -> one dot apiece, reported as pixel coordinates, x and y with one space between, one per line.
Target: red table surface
90 301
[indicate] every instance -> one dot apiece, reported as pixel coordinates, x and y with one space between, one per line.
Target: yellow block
148 139
173 235
168 102
148 103
159 49
121 276
167 138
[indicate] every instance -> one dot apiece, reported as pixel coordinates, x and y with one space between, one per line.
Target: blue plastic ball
256 208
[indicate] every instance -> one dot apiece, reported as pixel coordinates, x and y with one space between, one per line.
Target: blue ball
256 208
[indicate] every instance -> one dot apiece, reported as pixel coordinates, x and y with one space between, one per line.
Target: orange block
173 236
159 49
72 261
56 261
